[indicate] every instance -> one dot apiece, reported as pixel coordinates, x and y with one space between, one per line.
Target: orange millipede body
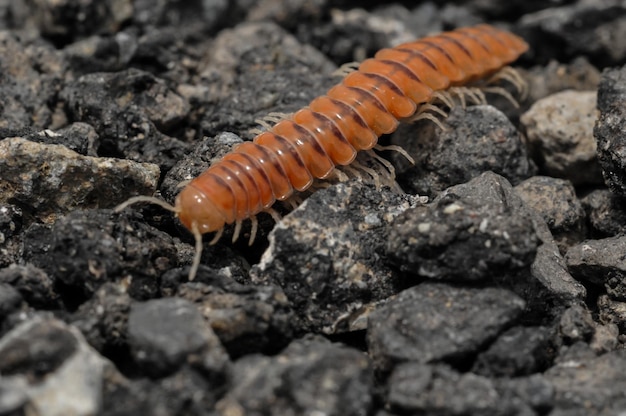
333 128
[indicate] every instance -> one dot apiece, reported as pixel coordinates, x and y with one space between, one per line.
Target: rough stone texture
576 324
170 12
131 111
30 81
417 388
303 379
436 322
256 69
476 140
79 137
11 223
517 352
610 129
59 374
594 386
577 75
245 318
560 131
324 255
612 312
85 249
50 179
180 82
475 231
164 334
10 300
595 28
555 200
601 262
548 279
103 319
606 212
63 20
35 286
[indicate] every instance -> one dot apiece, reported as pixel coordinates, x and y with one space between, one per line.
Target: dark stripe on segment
258 167
273 159
244 171
420 56
347 110
333 127
221 182
389 83
492 32
291 149
459 44
440 49
313 142
399 66
253 181
365 95
477 40
232 175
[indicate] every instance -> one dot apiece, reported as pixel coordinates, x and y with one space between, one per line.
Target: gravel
490 281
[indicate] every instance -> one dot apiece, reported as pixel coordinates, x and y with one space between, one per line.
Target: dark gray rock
64 20
590 386
610 129
245 318
556 202
13 396
30 83
606 338
363 32
594 28
475 231
249 79
477 139
560 133
186 392
164 334
85 249
546 281
601 262
576 324
50 179
612 312
132 111
305 378
213 13
36 349
57 371
103 319
11 223
10 300
517 352
436 322
606 212
326 255
416 388
79 137
34 285
577 75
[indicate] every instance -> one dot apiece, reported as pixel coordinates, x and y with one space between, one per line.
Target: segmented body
334 127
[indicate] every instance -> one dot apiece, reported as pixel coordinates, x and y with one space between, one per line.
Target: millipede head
193 207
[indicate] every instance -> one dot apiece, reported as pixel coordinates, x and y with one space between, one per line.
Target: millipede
399 83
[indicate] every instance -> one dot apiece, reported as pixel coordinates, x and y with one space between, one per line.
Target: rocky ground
493 284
